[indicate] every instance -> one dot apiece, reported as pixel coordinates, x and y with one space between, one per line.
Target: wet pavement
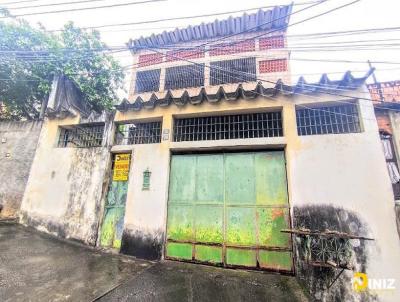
38 267
175 281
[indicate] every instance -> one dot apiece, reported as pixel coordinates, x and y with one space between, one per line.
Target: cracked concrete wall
18 142
65 187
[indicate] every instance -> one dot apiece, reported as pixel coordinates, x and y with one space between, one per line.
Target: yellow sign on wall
121 167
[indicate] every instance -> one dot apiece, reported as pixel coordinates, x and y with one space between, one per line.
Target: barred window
138 133
253 125
81 136
233 71
332 119
184 76
147 81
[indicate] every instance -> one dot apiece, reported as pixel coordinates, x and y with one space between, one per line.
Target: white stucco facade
346 172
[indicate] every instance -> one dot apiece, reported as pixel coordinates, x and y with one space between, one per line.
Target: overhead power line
192 17
275 30
299 22
299 36
271 21
17 2
272 31
329 87
343 61
52 4
82 54
347 32
294 93
310 36
223 38
294 45
85 8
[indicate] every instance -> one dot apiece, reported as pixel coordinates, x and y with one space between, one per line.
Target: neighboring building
215 154
386 97
385 91
18 141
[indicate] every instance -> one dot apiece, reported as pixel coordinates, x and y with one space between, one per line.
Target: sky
364 14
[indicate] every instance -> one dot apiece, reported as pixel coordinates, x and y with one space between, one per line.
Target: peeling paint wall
326 174
65 187
18 141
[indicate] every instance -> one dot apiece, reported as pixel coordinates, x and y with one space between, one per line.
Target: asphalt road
38 267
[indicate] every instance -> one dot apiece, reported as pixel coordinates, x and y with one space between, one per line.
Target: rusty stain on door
228 209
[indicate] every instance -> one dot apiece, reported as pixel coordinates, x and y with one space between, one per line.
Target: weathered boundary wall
65 187
18 142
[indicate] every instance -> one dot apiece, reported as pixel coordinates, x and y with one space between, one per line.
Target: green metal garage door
228 209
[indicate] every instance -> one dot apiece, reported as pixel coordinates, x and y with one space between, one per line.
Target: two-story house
217 158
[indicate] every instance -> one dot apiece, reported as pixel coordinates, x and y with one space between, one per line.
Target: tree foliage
30 57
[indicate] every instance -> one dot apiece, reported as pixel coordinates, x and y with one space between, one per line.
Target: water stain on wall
318 279
141 245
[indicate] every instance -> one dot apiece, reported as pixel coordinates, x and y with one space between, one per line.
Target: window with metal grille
138 133
332 119
184 76
81 136
253 125
233 71
147 81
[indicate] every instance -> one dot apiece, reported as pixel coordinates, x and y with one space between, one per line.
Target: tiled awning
215 94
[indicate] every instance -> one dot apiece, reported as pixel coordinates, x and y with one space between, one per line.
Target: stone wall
18 142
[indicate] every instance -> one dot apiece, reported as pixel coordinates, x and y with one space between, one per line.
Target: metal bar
325 234
228 127
243 247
